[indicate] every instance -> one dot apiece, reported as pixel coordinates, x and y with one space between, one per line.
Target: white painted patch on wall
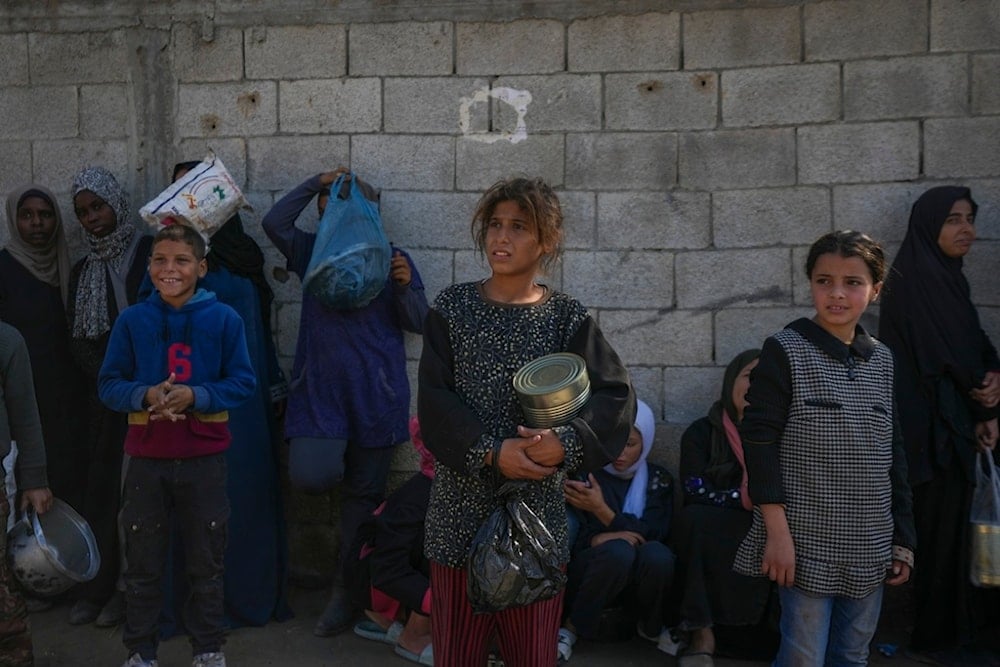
517 99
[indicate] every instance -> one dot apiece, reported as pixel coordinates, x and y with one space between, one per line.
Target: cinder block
195 59
227 109
288 327
690 391
428 219
621 161
906 87
981 267
786 216
715 279
387 49
296 52
479 165
986 192
432 105
485 48
436 269
625 43
647 382
626 279
737 329
990 319
881 211
653 220
579 219
15 169
57 162
14 48
38 112
470 265
330 105
558 102
859 152
801 294
985 91
962 147
405 162
786 95
104 111
232 152
666 449
77 57
965 25
740 38
661 100
849 29
737 159
281 163
659 337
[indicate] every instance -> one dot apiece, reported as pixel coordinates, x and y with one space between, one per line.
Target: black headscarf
236 250
722 463
928 320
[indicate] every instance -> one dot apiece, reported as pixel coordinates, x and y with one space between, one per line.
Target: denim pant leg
651 578
366 473
852 628
598 575
145 527
805 628
316 465
203 513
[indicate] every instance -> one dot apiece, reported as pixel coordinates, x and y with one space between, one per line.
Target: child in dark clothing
178 433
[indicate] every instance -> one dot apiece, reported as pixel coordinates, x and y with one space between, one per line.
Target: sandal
564 647
371 630
695 659
425 657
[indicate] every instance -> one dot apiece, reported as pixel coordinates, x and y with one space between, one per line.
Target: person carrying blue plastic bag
349 396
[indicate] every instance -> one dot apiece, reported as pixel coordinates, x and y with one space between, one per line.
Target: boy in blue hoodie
176 363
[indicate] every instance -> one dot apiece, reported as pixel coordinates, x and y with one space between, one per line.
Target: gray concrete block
786 216
296 51
621 161
647 382
881 210
666 449
436 269
906 87
330 105
736 159
624 43
738 329
962 147
479 165
470 266
981 268
38 112
428 219
990 319
405 162
714 279
77 57
242 109
623 279
689 391
661 100
579 219
15 169
985 91
14 48
485 48
432 105
653 220
104 111
986 192
387 49
195 59
57 162
740 38
801 287
849 29
281 163
288 327
859 152
558 102
232 152
965 25
659 337
786 95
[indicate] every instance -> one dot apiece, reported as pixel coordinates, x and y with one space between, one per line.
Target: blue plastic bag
350 259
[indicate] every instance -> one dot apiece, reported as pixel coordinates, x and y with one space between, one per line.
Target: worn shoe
213 659
564 646
83 612
337 616
113 612
135 660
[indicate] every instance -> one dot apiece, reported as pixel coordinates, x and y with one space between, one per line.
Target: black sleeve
399 534
764 421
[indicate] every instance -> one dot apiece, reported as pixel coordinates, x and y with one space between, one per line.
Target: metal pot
51 552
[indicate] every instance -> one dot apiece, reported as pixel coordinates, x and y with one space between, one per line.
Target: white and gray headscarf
638 472
107 255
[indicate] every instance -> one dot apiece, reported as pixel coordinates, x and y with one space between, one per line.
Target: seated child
177 437
625 511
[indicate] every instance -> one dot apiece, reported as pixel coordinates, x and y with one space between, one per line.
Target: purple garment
349 378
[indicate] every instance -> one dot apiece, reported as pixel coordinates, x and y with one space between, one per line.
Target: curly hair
537 199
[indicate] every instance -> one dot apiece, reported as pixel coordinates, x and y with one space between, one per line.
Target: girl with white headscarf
624 511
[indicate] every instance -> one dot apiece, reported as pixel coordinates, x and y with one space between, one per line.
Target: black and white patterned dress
472 348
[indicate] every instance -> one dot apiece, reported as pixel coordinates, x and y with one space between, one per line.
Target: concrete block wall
699 147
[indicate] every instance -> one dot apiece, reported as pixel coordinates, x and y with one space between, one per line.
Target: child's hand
399 269
156 394
630 536
898 574
329 177
173 405
986 435
40 499
548 450
988 393
779 549
583 495
514 463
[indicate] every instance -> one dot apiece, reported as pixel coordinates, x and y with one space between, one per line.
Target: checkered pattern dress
835 454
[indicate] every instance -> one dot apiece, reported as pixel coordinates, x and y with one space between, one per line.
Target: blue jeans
831 631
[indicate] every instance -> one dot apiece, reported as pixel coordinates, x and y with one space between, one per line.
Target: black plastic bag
514 559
